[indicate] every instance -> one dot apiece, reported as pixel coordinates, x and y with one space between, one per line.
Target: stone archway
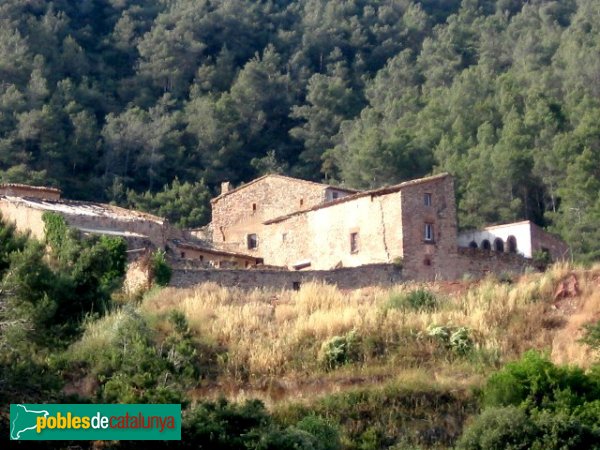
499 245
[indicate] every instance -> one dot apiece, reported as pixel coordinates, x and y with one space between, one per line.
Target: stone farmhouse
301 225
289 230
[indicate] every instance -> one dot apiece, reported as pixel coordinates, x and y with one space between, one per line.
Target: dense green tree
105 97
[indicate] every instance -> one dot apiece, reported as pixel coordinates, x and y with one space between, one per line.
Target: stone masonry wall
429 260
322 236
475 263
347 278
478 263
233 216
540 239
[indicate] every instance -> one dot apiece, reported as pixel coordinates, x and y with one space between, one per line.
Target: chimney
225 187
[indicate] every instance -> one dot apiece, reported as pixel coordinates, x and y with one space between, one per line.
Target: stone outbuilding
524 238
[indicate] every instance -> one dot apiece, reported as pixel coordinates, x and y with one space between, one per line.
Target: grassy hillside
400 367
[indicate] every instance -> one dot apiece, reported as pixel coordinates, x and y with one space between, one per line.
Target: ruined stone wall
24 218
478 263
429 260
474 263
234 215
323 236
540 239
206 258
157 233
346 278
29 191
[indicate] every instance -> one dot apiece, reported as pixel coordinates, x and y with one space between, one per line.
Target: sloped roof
371 193
73 207
283 177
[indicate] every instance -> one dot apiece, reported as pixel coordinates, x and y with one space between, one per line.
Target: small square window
428 236
201 257
427 199
252 241
354 244
183 254
335 195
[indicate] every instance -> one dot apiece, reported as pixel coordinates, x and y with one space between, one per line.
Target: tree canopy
137 102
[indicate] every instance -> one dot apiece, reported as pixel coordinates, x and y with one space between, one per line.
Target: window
201 258
473 244
353 242
183 254
335 195
428 232
427 199
252 241
296 285
301 202
253 207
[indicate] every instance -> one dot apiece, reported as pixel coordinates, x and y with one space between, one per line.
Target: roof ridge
372 192
285 177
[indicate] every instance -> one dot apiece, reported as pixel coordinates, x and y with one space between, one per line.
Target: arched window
485 244
473 244
498 245
512 244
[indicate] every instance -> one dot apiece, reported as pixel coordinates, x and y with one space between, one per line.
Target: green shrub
512 428
541 258
291 438
591 335
506 428
327 436
458 340
417 300
224 425
160 268
339 350
535 382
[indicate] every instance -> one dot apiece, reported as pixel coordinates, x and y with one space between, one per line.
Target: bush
291 438
327 436
535 382
457 340
417 300
339 350
499 429
225 425
591 336
541 258
160 268
512 428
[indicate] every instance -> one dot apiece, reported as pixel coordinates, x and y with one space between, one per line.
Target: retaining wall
345 278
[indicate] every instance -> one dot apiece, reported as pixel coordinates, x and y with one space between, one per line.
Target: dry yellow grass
271 334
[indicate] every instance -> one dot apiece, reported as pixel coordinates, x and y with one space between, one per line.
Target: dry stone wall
347 278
